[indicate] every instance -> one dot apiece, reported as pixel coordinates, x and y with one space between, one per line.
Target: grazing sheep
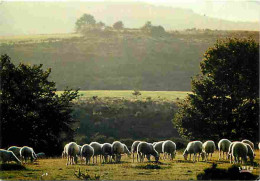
126 150
230 150
27 153
106 152
193 147
15 150
250 153
64 153
250 143
208 148
169 147
239 150
134 148
158 146
72 150
259 145
97 150
8 156
223 145
87 151
146 149
41 155
117 150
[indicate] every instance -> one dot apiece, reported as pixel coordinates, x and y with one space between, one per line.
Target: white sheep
117 150
239 150
106 152
27 153
169 147
230 150
64 153
146 149
8 156
134 148
250 143
87 152
259 145
72 150
97 150
223 146
158 146
208 147
250 153
193 147
126 150
15 150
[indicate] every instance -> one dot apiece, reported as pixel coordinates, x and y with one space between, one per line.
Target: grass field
127 94
178 169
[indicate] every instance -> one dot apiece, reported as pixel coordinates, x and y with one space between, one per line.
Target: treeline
109 119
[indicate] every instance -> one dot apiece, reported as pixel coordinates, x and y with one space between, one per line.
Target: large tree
31 112
224 100
86 21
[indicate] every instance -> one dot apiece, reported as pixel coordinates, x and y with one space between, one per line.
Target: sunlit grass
127 94
178 169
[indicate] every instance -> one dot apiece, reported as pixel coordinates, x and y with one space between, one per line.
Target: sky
234 10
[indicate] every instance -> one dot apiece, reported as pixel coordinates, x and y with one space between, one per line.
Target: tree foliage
153 30
86 21
224 100
31 112
118 25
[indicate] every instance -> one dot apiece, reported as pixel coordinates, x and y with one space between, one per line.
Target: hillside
124 60
60 17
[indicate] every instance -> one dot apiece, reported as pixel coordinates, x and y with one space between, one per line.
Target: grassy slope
127 94
178 169
118 60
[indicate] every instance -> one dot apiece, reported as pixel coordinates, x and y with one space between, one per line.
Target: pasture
178 169
127 94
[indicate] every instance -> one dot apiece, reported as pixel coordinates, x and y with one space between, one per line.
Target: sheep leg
133 157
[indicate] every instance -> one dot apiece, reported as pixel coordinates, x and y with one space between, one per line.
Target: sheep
230 150
223 145
8 156
239 150
207 148
259 145
134 148
249 142
41 155
158 146
64 153
117 150
193 147
169 147
27 153
106 152
97 150
126 150
87 151
146 149
15 150
250 153
72 151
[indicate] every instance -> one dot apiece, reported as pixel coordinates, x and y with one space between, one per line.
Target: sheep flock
236 152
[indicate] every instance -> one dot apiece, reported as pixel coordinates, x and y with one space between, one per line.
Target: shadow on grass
6 167
232 173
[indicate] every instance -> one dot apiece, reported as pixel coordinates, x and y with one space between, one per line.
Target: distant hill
115 60
60 17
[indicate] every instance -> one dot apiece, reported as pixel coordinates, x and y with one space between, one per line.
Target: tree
31 112
85 21
224 100
118 25
153 30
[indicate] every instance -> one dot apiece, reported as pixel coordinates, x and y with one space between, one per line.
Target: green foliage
225 101
31 113
118 25
153 30
85 22
109 119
